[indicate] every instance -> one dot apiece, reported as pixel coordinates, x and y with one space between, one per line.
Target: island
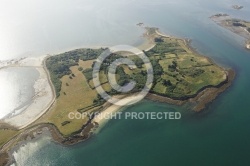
237 26
237 7
140 24
181 76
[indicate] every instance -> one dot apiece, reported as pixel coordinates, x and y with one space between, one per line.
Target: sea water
217 136
16 90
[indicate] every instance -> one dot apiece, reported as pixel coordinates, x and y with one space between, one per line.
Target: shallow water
16 90
217 136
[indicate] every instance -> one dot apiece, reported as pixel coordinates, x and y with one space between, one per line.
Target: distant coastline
237 26
237 7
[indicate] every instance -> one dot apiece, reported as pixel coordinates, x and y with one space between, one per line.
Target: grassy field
6 135
184 71
75 95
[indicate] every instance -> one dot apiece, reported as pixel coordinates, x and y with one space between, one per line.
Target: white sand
25 62
161 34
32 61
107 113
9 63
248 46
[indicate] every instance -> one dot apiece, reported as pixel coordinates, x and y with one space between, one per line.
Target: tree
167 83
237 24
138 62
173 66
80 68
158 39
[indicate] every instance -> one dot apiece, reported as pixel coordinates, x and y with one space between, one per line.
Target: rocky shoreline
201 99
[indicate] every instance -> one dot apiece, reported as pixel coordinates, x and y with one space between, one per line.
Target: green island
181 75
237 26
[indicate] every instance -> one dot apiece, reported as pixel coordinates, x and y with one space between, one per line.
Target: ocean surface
217 136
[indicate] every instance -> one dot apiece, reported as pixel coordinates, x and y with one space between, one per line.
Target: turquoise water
217 136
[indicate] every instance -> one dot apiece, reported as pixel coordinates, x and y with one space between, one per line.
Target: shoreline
201 99
205 96
101 119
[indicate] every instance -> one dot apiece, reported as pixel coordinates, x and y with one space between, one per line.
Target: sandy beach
161 34
107 113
